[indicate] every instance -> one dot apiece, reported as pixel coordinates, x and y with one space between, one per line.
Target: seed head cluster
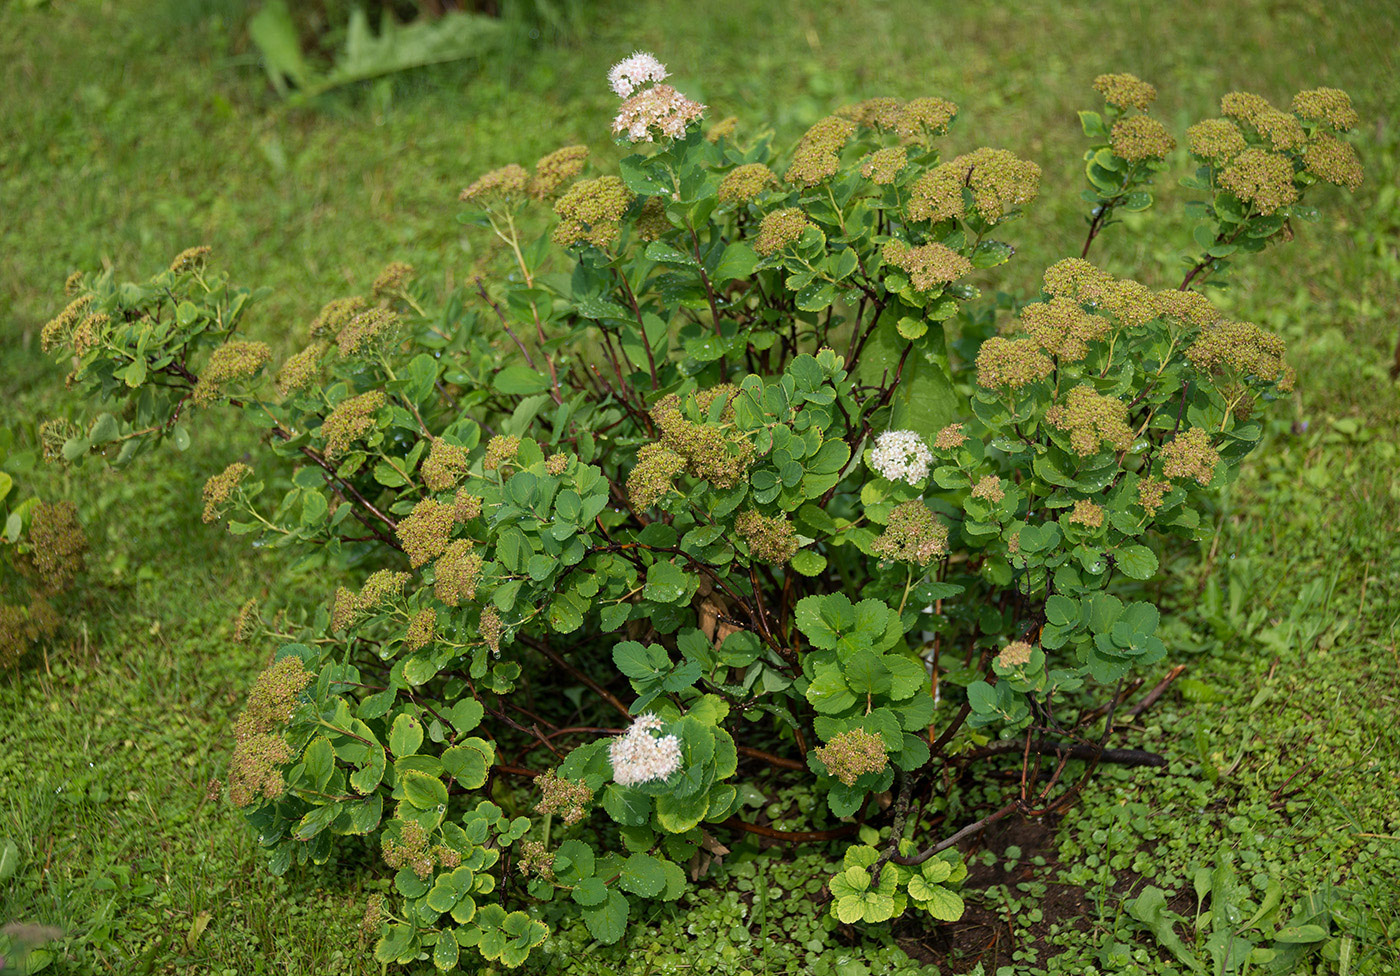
367 329
500 451
950 438
883 166
335 315
1331 106
58 545
1092 420
912 535
258 751
191 259
653 475
1216 140
445 465
712 452
851 754
1283 131
1062 328
1262 178
1241 349
498 186
58 328
301 370
392 280
425 532
457 573
1087 514
492 629
989 489
1151 492
1334 161
1015 654
639 756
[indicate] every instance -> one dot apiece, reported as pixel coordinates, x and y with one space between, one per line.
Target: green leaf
1301 934
944 904
1150 908
406 735
446 951
678 814
394 944
320 761
9 860
738 261
608 922
1136 562
668 583
423 791
982 697
808 562
520 381
642 874
469 762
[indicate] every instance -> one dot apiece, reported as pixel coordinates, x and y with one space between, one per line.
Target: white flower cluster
901 455
629 74
640 757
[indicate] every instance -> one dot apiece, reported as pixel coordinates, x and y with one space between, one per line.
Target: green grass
135 130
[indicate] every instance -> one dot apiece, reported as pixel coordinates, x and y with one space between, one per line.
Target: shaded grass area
142 129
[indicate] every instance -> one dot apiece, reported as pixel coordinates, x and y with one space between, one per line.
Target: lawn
135 130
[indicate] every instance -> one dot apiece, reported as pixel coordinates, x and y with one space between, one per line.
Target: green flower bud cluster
818 153
744 183
445 465
220 488
912 535
349 421
929 266
1190 455
850 755
555 169
591 212
566 797
1092 420
780 229
999 181
771 538
231 362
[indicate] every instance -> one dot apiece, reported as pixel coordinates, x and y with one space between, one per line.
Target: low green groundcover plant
731 475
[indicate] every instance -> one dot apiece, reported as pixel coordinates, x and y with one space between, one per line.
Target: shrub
700 459
42 551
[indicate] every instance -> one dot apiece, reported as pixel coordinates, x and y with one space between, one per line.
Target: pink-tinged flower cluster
631 73
651 108
638 756
659 109
901 455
